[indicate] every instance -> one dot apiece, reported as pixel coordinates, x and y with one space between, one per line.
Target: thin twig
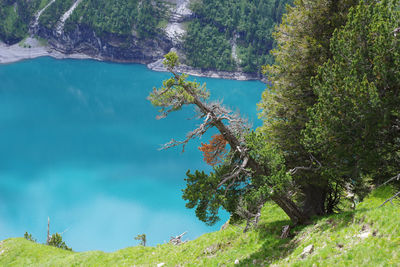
397 177
390 199
313 159
240 169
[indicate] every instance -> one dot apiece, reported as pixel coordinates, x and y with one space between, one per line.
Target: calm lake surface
79 143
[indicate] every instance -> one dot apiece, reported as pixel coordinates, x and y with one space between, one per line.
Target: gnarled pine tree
252 172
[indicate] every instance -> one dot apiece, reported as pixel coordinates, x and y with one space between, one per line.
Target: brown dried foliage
215 151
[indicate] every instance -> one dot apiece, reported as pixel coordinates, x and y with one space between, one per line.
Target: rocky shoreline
31 48
231 75
82 42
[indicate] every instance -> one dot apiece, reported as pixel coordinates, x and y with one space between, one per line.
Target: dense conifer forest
120 16
217 24
220 35
15 16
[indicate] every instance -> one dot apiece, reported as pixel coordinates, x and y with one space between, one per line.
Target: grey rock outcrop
83 39
119 48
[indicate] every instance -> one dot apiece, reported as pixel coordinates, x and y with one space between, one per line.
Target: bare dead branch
390 199
396 31
252 218
48 231
397 177
198 132
238 170
177 240
228 187
285 231
309 168
213 112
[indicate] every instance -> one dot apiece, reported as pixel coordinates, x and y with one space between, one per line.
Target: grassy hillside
368 236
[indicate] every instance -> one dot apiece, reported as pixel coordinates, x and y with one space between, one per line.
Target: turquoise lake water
79 143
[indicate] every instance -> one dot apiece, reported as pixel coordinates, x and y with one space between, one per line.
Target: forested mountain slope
209 34
15 17
230 34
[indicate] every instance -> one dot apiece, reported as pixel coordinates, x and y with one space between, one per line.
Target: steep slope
65 16
231 34
180 13
367 236
209 35
15 17
119 30
35 21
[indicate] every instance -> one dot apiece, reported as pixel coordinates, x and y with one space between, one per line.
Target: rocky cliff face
108 46
66 27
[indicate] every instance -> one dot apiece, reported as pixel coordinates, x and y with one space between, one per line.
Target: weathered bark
314 202
177 240
285 231
296 215
48 231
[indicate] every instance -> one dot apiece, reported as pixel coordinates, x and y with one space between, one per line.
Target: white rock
236 262
307 251
364 235
61 22
161 264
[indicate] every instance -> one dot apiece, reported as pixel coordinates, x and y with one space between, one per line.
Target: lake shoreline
230 75
15 53
31 48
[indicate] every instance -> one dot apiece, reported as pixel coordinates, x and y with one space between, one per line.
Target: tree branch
236 172
310 168
397 177
198 132
390 199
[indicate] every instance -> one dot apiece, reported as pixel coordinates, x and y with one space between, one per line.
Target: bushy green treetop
354 125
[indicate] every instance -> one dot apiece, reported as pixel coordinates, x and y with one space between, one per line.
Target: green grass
22 42
162 24
42 41
335 240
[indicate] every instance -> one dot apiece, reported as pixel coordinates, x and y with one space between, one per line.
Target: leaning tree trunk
296 215
314 202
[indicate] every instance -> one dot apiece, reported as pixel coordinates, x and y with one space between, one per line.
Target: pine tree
303 41
252 172
355 124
